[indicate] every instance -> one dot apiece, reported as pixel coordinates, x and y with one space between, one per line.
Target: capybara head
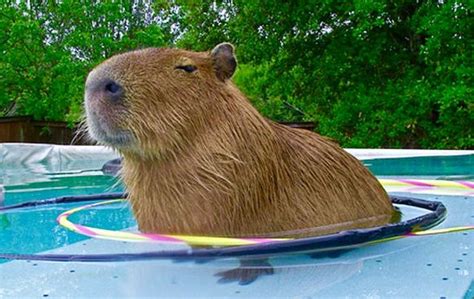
149 99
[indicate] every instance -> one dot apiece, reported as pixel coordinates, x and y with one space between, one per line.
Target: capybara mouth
117 139
102 127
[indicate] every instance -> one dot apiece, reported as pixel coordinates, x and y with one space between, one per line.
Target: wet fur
203 161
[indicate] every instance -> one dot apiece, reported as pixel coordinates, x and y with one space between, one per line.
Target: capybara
200 160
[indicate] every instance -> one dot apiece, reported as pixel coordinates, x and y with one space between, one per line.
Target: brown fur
199 159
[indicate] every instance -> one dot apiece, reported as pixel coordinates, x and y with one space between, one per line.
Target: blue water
445 168
423 267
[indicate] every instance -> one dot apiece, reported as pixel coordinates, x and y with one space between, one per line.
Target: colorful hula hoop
94 232
345 239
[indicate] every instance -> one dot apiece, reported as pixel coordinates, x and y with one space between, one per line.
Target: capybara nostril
112 90
105 88
112 87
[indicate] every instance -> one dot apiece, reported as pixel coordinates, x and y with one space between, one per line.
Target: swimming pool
423 267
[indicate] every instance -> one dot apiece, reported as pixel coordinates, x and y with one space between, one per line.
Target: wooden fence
25 129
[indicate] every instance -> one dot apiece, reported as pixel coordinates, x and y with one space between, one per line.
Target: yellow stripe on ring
434 183
442 230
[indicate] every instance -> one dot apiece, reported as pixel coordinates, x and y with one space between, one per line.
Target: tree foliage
49 47
368 73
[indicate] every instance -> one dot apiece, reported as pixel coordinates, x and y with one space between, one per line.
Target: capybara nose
113 90
109 89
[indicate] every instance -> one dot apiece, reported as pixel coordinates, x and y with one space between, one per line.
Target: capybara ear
224 60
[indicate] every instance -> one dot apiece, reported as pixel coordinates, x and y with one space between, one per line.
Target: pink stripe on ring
467 184
416 183
85 230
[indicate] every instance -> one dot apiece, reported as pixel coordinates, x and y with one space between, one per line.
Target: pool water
442 168
439 266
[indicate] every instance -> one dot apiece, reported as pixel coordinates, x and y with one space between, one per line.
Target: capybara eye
188 68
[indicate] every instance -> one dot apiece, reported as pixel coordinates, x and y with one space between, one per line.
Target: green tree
50 47
369 73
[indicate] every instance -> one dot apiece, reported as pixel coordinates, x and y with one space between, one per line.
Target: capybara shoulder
199 159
